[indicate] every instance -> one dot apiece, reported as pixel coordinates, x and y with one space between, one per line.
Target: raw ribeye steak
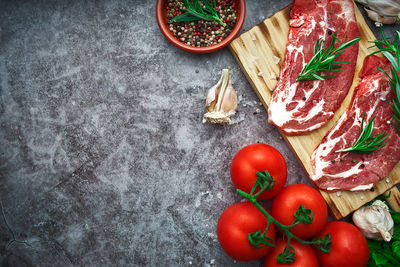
333 170
300 107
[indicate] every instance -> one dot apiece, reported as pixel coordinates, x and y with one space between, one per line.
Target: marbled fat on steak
300 107
356 171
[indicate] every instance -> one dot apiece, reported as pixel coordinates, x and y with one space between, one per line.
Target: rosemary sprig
195 11
392 53
366 142
324 60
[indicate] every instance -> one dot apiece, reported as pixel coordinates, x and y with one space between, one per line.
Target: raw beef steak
351 170
300 107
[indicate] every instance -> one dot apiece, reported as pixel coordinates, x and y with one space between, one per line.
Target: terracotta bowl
161 15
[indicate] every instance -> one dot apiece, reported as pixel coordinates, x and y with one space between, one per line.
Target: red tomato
234 225
349 246
258 157
305 256
288 201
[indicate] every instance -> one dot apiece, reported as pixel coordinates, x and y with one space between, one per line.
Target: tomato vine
258 239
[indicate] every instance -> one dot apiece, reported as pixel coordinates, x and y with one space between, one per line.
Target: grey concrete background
104 159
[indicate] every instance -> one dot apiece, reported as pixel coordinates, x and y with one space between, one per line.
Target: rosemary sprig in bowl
324 60
392 52
366 142
196 11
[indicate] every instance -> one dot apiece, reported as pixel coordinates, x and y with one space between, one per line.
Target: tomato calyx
260 240
323 244
265 181
287 256
302 215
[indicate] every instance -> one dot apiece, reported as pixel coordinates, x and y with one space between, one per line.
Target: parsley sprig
324 60
392 53
195 11
366 142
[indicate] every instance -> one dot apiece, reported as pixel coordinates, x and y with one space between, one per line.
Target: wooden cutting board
256 51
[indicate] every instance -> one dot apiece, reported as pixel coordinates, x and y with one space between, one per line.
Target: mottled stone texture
104 159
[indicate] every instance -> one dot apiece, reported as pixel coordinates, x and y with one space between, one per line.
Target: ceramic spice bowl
215 43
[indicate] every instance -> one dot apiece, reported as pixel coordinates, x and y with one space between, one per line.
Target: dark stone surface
104 159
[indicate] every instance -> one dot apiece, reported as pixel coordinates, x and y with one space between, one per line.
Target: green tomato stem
285 228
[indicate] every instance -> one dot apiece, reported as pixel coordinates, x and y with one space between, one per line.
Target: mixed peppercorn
201 33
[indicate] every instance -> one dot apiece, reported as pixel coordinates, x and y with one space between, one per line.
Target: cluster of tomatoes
348 246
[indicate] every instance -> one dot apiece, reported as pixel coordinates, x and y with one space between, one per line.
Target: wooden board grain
256 52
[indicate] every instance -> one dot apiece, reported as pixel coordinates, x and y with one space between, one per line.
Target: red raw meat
356 171
301 107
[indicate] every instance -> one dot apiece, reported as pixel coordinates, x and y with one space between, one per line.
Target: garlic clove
378 18
375 221
385 234
230 100
381 204
221 101
385 7
363 2
382 11
212 95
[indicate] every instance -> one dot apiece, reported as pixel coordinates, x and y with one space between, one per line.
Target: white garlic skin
375 221
383 11
381 19
230 100
212 95
221 101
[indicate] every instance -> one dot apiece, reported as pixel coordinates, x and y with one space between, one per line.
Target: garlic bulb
222 101
382 11
375 221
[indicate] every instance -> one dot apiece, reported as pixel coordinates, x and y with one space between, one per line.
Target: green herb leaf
396 234
209 6
194 11
324 60
184 17
396 249
374 244
396 217
379 259
388 254
392 53
366 142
